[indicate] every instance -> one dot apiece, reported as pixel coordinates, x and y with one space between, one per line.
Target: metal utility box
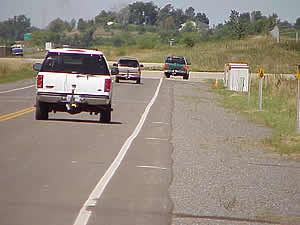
236 76
5 51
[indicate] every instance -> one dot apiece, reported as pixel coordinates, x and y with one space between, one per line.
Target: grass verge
10 72
279 110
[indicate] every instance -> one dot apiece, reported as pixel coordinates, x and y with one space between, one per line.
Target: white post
298 109
249 88
261 74
298 102
260 85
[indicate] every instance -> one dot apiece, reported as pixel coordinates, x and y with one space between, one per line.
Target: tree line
151 23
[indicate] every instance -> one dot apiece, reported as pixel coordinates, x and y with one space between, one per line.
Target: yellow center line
16 114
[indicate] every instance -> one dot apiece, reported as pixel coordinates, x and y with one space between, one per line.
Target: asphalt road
50 168
170 155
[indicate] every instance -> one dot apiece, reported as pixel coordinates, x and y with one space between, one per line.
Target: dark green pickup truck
176 66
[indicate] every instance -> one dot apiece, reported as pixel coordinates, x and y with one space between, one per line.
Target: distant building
182 26
110 23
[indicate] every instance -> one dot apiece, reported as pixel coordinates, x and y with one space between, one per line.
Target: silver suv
128 69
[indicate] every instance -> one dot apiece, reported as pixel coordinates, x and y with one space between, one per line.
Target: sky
42 12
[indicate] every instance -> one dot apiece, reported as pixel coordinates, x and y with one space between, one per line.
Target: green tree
297 24
86 37
40 37
167 24
190 13
142 13
14 28
57 26
165 12
201 17
179 17
189 39
189 26
237 25
84 25
73 24
105 17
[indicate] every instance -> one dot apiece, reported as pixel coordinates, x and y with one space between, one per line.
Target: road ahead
49 168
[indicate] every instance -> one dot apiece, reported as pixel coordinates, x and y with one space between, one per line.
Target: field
258 52
11 71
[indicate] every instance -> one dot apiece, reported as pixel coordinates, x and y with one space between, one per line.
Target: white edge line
152 167
160 123
85 213
158 139
16 89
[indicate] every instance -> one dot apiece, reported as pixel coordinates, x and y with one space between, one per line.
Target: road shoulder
221 172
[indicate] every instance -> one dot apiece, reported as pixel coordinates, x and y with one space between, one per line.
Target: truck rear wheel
41 112
186 76
138 80
105 116
167 75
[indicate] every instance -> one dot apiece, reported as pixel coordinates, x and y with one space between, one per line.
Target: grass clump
279 110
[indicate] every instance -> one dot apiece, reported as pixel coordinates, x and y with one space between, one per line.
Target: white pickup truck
73 80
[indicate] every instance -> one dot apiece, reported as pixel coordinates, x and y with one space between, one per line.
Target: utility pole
260 88
298 101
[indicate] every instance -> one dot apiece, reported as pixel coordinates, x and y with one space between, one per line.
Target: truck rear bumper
128 76
67 98
176 72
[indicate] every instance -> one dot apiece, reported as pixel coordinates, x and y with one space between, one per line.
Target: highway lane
49 168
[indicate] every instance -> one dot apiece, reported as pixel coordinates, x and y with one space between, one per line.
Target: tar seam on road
16 89
16 114
85 211
274 165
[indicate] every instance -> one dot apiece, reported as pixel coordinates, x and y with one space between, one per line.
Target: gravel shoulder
221 172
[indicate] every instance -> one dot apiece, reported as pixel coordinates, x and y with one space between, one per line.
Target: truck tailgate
175 66
86 84
129 70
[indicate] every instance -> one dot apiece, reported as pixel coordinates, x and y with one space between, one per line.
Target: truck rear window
128 62
75 63
175 60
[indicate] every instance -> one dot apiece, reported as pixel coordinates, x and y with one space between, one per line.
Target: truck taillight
166 65
107 85
185 67
39 81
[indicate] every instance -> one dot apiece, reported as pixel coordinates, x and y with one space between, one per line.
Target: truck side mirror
37 66
114 71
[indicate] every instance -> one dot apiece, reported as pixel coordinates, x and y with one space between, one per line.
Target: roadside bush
189 39
147 41
117 41
121 52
